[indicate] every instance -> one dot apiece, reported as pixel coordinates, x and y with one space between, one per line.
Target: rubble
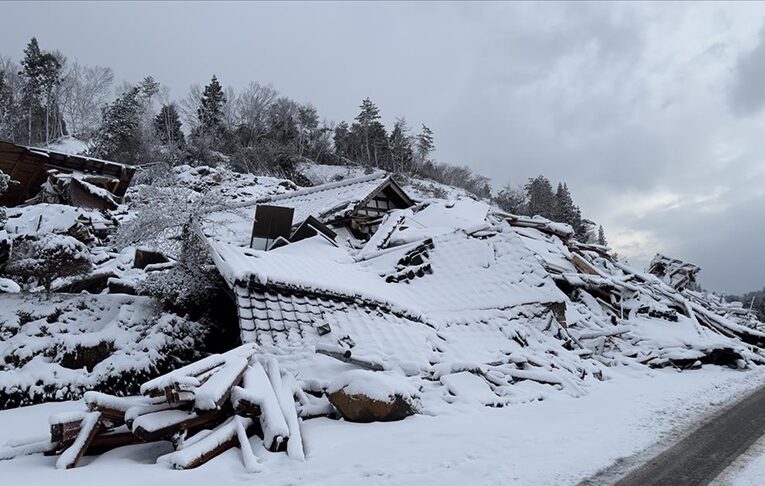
200 408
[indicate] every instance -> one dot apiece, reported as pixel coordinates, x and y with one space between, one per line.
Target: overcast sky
652 113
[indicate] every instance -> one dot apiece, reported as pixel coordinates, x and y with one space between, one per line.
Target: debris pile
202 409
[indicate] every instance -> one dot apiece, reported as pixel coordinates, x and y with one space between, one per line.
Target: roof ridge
326 187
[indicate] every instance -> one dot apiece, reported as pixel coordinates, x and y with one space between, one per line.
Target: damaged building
48 176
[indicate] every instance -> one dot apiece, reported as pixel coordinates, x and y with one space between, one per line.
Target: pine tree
32 73
210 113
541 200
341 139
564 209
42 76
602 236
425 144
120 135
369 131
167 126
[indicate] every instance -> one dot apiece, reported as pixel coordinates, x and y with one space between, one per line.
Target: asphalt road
701 456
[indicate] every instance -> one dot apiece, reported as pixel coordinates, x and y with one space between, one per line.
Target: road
701 456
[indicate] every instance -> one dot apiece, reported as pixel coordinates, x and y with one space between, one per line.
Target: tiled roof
328 201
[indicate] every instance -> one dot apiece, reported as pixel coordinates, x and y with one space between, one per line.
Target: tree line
254 130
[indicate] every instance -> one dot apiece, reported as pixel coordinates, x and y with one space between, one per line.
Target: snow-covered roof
445 285
330 201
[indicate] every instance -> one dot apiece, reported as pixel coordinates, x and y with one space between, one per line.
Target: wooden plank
165 423
91 425
223 438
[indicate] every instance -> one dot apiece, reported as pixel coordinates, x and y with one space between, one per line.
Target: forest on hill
257 130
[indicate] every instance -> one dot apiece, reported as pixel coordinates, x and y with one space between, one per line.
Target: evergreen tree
120 135
341 139
602 236
167 126
32 74
41 72
564 209
210 113
541 200
6 108
308 129
370 135
425 144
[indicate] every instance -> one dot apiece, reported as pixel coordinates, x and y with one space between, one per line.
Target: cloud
637 106
747 94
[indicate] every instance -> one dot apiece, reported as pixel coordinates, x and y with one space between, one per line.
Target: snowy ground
558 441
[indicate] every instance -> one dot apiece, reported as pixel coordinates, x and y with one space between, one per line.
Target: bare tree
188 107
84 91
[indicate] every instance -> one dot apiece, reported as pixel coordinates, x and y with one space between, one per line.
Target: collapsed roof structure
78 180
676 273
441 288
351 208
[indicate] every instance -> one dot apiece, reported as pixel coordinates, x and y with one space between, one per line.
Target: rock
368 396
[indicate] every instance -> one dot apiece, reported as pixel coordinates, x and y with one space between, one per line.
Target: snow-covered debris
673 272
170 410
31 166
448 287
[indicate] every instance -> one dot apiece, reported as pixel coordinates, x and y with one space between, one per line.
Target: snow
183 458
160 419
257 389
68 145
8 286
557 441
33 325
250 460
469 387
209 394
380 386
284 395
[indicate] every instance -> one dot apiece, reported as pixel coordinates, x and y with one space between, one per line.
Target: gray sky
654 114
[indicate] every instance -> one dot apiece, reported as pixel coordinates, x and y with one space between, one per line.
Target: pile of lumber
202 409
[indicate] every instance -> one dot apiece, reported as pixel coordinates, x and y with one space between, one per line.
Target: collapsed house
55 177
676 273
350 209
444 288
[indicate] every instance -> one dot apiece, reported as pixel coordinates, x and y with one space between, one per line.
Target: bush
47 258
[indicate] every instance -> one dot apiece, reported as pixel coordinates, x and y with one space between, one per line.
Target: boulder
369 396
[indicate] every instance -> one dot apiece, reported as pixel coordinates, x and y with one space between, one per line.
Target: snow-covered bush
47 258
57 347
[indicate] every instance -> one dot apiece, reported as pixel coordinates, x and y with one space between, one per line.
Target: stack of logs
203 409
